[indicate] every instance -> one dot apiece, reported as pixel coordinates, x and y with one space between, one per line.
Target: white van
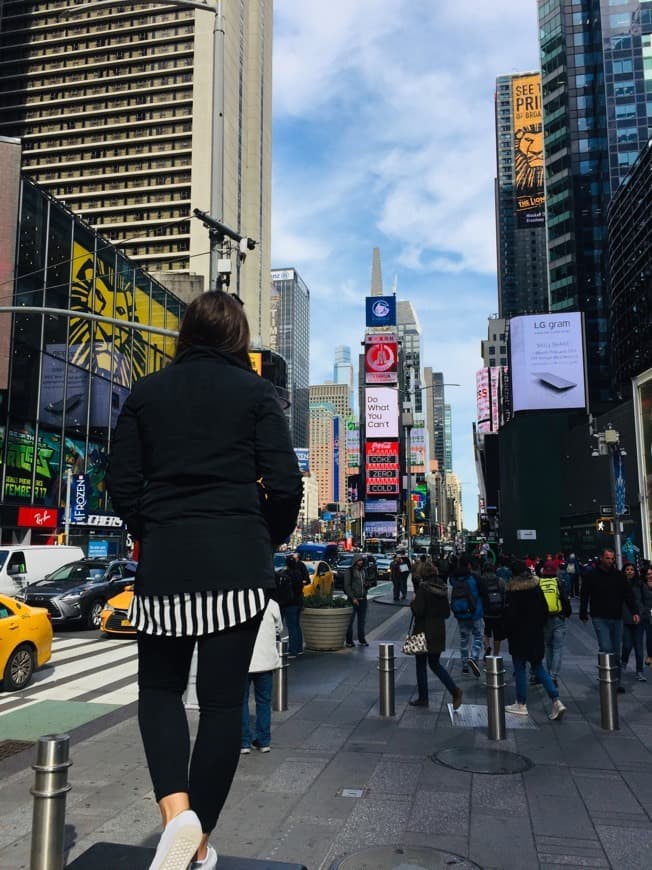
22 565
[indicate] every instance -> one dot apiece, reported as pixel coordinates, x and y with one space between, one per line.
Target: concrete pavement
341 778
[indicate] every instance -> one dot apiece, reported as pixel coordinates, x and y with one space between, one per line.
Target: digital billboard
547 362
381 361
352 444
382 467
528 150
303 458
381 506
381 310
381 412
380 528
418 446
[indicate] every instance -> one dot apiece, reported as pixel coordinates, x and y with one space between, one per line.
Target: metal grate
13 747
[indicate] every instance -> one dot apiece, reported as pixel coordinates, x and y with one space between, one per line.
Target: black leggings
163 669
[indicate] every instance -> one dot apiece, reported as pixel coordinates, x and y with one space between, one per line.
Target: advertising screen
380 528
352 445
381 506
303 458
547 362
381 412
381 362
381 310
528 150
418 446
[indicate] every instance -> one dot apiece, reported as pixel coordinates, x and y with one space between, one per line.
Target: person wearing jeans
554 631
471 634
355 586
526 614
604 593
264 661
632 633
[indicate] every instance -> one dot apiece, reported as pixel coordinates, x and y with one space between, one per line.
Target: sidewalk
341 778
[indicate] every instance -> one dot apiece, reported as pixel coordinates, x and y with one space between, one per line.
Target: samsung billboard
547 362
381 412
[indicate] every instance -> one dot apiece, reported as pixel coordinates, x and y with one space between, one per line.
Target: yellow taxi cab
113 618
25 642
321 579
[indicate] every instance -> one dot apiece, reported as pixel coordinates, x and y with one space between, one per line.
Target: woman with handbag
431 610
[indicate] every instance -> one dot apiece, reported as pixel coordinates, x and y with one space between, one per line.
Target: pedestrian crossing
84 669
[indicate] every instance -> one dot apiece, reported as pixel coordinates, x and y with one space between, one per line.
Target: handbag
415 644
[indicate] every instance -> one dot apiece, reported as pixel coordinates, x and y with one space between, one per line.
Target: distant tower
376 274
343 369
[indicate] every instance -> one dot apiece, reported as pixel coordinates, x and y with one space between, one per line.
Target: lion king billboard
528 150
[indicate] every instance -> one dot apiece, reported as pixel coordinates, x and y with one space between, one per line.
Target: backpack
463 601
284 593
550 588
495 599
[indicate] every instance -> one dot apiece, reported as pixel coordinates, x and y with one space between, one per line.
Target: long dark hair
216 319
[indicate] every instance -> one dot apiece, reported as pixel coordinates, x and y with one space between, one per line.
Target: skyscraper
520 221
343 370
596 66
115 107
436 416
290 336
329 409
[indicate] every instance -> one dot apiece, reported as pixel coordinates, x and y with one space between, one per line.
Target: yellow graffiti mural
98 346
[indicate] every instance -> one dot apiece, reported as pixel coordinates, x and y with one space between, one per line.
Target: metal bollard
495 675
280 691
50 790
608 672
386 678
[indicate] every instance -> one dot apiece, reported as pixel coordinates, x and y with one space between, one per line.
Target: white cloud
384 135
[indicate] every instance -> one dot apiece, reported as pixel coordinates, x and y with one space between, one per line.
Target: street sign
606 510
526 534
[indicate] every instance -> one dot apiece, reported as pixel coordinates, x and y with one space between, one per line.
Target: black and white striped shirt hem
191 614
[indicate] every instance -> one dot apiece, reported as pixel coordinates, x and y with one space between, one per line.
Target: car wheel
93 618
19 669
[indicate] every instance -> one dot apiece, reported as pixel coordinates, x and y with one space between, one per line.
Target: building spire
376 274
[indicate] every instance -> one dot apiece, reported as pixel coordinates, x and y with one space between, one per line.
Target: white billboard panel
381 412
547 362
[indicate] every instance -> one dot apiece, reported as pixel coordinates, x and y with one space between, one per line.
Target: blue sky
384 136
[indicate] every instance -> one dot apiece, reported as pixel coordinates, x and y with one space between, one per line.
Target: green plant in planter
325 601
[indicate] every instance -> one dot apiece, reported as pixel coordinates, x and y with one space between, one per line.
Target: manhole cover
13 747
403 858
479 760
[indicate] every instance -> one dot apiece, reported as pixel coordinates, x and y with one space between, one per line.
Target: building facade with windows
520 218
290 337
596 67
114 105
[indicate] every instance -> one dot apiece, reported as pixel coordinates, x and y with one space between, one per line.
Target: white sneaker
245 750
209 862
516 709
558 710
179 841
640 677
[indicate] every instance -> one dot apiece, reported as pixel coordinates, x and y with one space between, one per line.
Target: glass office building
596 67
71 364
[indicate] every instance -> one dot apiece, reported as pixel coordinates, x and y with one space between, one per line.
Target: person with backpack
355 587
466 606
289 595
526 613
431 610
559 610
493 600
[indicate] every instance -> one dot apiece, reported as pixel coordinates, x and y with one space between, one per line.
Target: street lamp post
609 445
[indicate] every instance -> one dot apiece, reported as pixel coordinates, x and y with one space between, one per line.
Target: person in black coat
431 610
526 614
201 470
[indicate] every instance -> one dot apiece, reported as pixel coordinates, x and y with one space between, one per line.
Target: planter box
324 628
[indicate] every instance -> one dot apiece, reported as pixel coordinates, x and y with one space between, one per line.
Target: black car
77 592
345 564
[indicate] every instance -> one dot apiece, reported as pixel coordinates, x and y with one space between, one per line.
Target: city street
340 777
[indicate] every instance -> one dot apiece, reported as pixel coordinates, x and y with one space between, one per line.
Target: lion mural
528 158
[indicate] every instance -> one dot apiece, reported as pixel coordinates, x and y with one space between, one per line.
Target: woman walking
526 614
633 633
431 610
192 444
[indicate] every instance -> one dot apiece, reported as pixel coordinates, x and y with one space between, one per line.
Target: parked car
25 642
321 579
22 565
383 563
77 592
345 564
114 619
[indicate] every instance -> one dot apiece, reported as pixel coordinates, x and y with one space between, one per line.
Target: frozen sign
381 412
